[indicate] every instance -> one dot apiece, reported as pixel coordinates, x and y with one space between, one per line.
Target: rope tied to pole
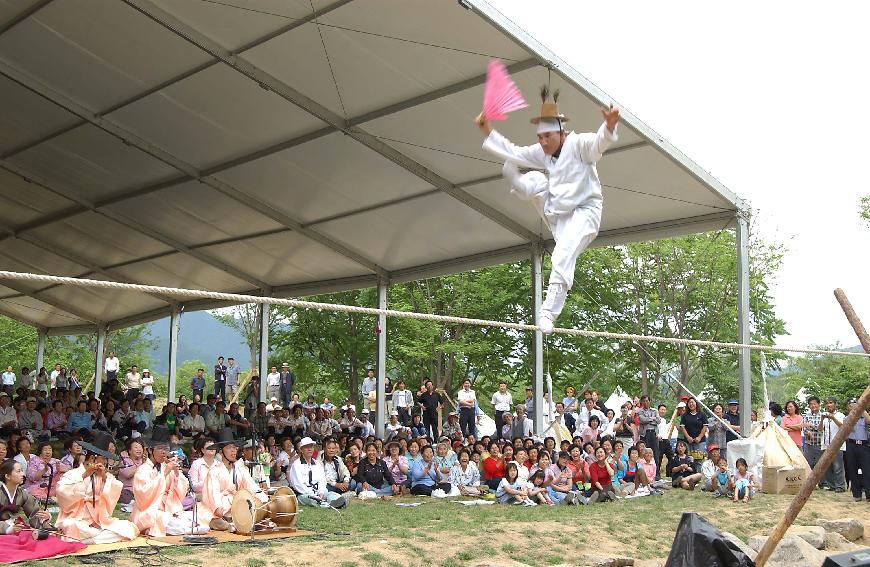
302 304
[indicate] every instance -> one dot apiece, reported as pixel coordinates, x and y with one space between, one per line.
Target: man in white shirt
273 383
370 384
308 479
588 411
53 376
830 424
112 366
663 434
133 381
9 381
403 401
568 198
502 401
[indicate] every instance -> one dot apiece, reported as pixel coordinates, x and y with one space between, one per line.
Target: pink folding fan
500 94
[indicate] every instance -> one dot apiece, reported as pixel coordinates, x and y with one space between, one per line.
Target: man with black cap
159 488
226 477
87 496
568 198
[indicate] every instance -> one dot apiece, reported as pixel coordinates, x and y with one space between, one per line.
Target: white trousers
573 231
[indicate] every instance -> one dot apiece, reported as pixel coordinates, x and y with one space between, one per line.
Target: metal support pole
174 327
743 361
264 345
98 367
381 404
538 349
41 334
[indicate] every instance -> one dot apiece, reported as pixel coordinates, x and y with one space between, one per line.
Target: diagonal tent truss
284 148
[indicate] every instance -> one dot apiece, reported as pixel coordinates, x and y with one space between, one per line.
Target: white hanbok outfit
569 198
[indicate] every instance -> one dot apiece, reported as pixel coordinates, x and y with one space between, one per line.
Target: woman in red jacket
600 473
493 467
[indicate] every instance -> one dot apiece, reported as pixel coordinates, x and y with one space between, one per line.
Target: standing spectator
232 374
663 433
522 426
466 398
42 380
220 379
73 379
62 382
112 366
403 401
288 380
530 403
648 421
430 403
273 384
370 384
388 394
9 381
133 381
831 422
147 385
733 417
694 426
571 407
197 385
717 433
812 431
53 377
858 455
501 403
793 422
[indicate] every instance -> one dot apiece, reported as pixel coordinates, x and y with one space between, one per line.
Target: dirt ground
614 529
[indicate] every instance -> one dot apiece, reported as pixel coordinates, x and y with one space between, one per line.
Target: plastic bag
698 542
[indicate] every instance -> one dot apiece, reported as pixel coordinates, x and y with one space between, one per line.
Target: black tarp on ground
698 544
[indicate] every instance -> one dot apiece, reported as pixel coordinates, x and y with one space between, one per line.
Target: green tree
184 374
865 209
327 350
246 320
824 375
18 348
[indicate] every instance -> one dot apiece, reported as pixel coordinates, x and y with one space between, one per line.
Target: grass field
442 533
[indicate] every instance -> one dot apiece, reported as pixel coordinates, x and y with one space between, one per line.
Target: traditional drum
282 508
250 514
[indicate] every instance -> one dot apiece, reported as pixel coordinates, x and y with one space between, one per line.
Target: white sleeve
526 156
296 479
592 146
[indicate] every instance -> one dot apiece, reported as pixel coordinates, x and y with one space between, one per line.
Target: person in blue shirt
81 420
426 476
858 455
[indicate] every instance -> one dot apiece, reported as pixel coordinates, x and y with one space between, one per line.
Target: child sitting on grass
744 482
721 484
537 490
511 490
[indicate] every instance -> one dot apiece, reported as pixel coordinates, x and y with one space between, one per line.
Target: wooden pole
825 461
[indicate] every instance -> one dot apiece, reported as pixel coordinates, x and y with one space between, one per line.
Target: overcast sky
773 98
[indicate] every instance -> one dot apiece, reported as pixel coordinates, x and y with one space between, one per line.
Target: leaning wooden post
828 456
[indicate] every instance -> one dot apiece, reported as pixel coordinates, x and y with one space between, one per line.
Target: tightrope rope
302 304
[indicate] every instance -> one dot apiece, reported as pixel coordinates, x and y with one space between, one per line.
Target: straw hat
549 110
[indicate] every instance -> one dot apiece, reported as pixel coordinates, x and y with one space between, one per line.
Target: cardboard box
783 480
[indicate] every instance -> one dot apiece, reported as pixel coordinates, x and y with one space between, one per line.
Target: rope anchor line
302 304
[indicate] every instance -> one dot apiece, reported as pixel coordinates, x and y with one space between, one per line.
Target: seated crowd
200 454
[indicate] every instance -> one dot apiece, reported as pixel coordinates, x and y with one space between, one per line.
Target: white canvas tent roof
191 143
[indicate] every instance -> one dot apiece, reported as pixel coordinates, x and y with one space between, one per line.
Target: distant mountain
201 337
857 348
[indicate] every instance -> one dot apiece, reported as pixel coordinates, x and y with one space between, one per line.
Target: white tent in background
617 399
801 396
